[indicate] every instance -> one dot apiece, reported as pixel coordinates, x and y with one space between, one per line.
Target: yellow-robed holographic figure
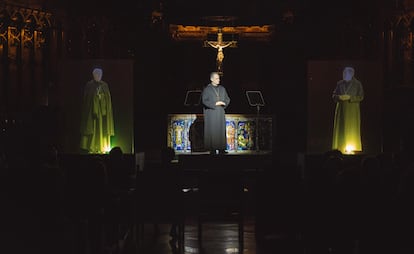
347 122
97 124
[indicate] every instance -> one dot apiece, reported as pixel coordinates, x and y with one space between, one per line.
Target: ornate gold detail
25 26
220 45
182 32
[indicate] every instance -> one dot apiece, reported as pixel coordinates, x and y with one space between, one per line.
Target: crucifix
220 45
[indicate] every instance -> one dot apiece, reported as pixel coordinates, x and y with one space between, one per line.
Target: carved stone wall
26 44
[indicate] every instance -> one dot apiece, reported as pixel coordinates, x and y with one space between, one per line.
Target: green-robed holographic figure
347 122
97 124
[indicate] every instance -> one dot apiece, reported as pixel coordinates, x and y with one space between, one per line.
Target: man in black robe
215 100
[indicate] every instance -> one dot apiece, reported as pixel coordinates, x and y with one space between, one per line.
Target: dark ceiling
246 11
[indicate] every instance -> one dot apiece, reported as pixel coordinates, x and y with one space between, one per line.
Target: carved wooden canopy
225 24
183 32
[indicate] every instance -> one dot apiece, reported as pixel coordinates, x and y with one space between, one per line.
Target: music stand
192 98
255 99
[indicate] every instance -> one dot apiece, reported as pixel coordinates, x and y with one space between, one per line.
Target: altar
185 132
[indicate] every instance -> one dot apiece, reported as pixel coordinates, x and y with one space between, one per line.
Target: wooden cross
220 45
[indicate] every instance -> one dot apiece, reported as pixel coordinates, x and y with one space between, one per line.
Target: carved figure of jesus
220 45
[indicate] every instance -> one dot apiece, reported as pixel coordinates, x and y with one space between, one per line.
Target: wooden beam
182 32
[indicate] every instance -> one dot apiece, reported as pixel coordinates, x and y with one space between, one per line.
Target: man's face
97 74
215 79
347 74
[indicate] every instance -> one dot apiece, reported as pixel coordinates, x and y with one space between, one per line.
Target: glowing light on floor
107 149
349 149
188 249
232 250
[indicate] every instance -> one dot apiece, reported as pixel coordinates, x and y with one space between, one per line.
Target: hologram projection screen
73 76
322 77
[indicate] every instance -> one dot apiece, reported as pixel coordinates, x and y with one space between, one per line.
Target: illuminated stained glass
231 135
240 131
245 135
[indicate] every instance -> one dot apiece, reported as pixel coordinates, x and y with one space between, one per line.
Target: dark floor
282 213
218 238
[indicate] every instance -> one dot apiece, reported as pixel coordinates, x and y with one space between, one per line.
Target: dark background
312 38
